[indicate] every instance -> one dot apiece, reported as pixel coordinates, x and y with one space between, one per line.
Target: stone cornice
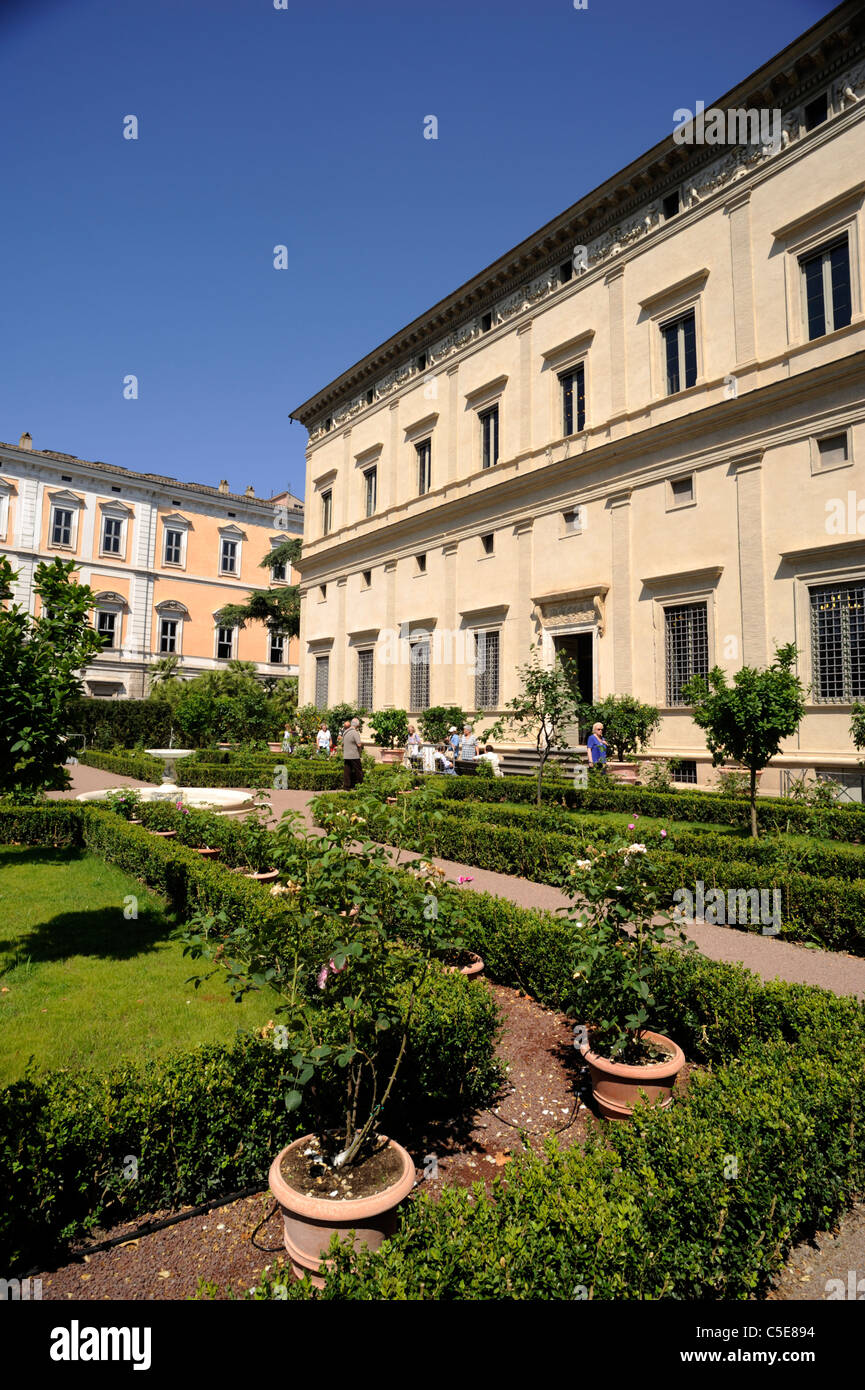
611 218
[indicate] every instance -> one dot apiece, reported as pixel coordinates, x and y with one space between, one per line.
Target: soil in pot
466 962
303 1170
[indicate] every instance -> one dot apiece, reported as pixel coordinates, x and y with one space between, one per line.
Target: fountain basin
170 752
201 798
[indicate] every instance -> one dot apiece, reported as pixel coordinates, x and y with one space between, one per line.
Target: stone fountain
214 798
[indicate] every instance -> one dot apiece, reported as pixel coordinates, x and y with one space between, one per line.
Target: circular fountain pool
210 798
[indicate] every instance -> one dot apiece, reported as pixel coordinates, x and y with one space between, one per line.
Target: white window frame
660 310
178 635
104 549
6 490
64 502
283 641
104 611
224 571
816 228
182 527
370 473
224 627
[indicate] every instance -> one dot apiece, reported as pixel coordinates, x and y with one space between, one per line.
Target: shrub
105 723
628 724
438 719
390 727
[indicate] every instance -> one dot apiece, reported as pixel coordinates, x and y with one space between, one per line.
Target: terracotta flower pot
309 1222
622 772
266 876
392 755
616 1086
206 852
164 834
471 971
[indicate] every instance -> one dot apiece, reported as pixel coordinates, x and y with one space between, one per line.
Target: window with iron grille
489 437
424 466
112 528
486 670
573 400
365 669
686 771
828 304
61 531
106 626
276 654
322 671
687 647
224 643
838 641
173 547
419 676
680 348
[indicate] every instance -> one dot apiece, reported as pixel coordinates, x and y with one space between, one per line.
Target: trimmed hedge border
204 1122
300 774
817 907
836 823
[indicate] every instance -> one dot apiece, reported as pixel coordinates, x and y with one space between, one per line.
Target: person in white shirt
488 756
322 739
443 759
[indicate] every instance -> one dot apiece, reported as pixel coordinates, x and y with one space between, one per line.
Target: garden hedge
781 813
825 906
145 723
200 1123
300 773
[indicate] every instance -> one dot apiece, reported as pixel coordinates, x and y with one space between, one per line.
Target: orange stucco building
162 557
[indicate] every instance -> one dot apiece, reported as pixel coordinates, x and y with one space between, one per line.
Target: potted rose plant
390 727
622 945
256 841
348 989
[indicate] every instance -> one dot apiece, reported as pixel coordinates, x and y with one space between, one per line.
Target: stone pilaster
620 594
752 572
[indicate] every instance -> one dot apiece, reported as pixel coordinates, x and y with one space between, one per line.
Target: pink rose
464 878
663 834
321 977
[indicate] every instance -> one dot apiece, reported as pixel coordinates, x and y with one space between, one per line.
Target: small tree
544 708
278 609
748 720
628 724
390 727
39 661
438 719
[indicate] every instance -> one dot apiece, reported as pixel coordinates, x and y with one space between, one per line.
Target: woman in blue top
597 748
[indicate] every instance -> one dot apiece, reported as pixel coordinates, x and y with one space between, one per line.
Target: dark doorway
575 654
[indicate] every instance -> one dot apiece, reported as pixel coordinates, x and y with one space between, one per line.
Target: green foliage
438 719
307 721
272 770
628 724
337 716
39 663
277 608
657 774
747 721
545 706
390 727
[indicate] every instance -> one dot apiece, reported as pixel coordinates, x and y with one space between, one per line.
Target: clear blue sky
301 127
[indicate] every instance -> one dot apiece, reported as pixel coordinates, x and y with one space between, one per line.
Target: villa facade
638 438
162 557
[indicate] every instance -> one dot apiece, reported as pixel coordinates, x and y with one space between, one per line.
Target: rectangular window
106 626
486 670
838 641
680 351
816 111
279 573
322 672
168 636
687 647
832 451
421 564
61 527
686 771
112 529
173 547
573 521
828 303
371 480
488 543
489 437
419 673
670 205
681 491
573 400
322 592
364 678
326 512
424 466
365 579
224 643
228 557
276 649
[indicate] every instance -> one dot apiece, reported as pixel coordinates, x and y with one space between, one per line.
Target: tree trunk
753 803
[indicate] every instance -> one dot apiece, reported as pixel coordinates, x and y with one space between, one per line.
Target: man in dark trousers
352 768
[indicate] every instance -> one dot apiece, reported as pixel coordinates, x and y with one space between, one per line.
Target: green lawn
83 986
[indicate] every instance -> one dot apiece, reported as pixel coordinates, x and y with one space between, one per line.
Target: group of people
443 757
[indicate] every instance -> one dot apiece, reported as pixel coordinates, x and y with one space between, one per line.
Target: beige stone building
162 557
639 437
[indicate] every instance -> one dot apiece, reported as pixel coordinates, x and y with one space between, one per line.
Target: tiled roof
285 498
